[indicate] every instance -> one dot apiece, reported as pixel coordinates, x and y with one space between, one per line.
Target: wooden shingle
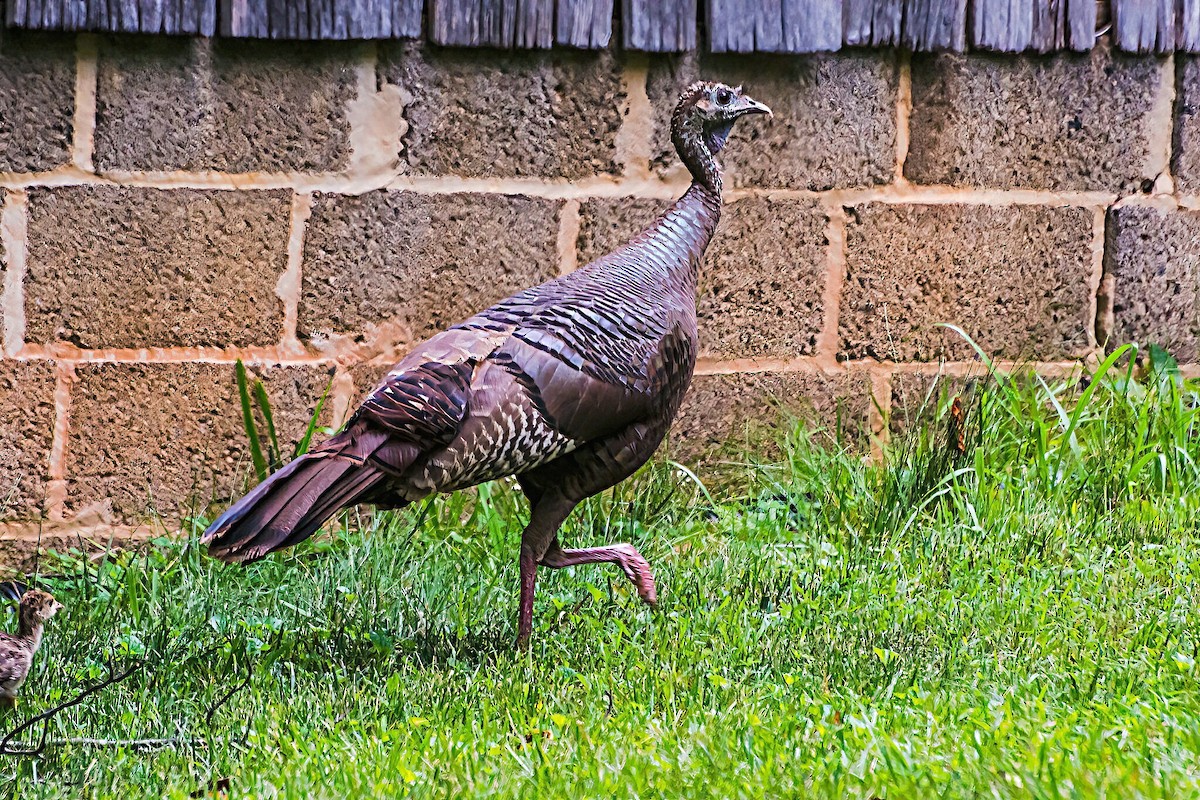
935 25
1043 25
321 19
1144 26
583 23
774 26
659 26
177 17
492 23
872 23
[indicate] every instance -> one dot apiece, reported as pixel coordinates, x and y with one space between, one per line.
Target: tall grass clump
1090 449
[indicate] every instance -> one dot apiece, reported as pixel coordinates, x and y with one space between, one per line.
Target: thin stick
47 714
133 744
208 718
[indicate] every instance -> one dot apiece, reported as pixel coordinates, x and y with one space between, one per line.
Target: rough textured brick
834 123
1015 278
922 401
26 429
1063 121
760 287
488 112
425 261
19 557
368 375
37 100
1153 257
1185 165
233 106
747 409
915 400
167 438
122 267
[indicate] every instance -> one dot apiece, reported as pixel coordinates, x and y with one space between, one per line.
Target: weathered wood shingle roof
720 26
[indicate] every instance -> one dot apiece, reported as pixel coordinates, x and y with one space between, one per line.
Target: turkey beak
752 106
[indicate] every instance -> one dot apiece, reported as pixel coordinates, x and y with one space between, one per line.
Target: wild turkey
570 386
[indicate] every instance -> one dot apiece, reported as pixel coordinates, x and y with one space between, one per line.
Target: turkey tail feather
290 506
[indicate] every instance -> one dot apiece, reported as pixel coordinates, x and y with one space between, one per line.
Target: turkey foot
626 556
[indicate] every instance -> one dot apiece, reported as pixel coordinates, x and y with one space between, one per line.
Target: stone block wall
170 205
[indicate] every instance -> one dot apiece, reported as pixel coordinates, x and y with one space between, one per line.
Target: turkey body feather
570 386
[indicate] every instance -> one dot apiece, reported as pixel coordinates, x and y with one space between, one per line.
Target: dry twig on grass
48 714
135 744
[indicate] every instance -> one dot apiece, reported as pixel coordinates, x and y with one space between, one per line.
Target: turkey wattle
570 386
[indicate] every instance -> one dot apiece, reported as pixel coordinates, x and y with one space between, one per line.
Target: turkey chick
16 650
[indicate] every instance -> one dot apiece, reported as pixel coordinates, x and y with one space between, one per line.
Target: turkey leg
555 489
630 560
547 514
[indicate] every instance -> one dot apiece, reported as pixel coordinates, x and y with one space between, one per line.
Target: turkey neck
693 218
667 255
686 228
30 630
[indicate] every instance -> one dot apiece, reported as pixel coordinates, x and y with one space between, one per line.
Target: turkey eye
724 96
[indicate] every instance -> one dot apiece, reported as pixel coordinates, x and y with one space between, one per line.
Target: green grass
1018 620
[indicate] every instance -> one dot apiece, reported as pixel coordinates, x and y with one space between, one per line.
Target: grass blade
274 453
305 440
256 454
